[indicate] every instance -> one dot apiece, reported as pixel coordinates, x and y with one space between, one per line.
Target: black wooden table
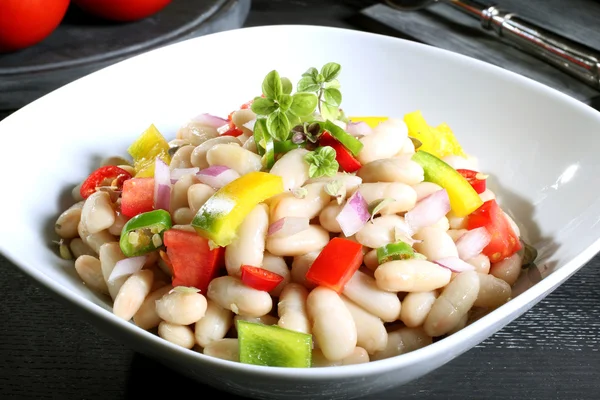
549 353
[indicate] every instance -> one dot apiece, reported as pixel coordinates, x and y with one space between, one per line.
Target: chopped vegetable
143 233
348 141
354 215
359 128
345 159
394 251
162 185
371 121
273 346
126 267
194 263
210 120
335 264
463 198
264 143
503 242
260 278
219 218
150 145
285 146
472 243
428 211
288 226
475 179
217 176
178 173
137 196
454 264
109 175
322 162
438 141
235 132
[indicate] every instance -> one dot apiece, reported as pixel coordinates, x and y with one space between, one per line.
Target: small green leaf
286 85
293 118
307 84
304 104
419 256
332 96
278 125
312 72
330 71
285 102
337 189
271 86
329 112
322 162
320 78
263 106
333 84
416 142
376 206
260 133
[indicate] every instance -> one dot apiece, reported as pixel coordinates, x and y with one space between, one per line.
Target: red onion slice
179 173
360 128
288 226
428 211
217 176
354 215
126 267
222 129
210 120
162 185
472 243
455 264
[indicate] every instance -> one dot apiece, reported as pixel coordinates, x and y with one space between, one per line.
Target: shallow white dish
540 147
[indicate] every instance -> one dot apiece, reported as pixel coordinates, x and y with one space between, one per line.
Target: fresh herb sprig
327 88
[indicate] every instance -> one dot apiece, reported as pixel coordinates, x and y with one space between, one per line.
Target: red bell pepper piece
260 278
194 263
110 173
343 156
336 264
476 179
504 242
233 131
137 196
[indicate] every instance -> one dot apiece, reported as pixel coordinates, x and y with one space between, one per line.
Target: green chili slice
395 251
143 233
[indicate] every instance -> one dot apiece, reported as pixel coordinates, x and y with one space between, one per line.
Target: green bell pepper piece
143 233
394 251
285 146
348 141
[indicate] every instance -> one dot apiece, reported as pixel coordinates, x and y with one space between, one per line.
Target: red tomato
476 179
97 178
137 196
336 264
233 131
122 10
260 278
504 242
24 23
343 156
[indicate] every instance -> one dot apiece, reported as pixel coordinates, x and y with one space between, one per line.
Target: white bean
455 221
481 262
453 303
277 265
249 244
235 157
180 335
358 356
312 239
90 271
442 224
225 349
350 181
109 254
455 234
287 205
493 292
460 325
79 248
97 213
242 116
411 276
508 269
425 189
370 331
386 141
182 157
402 341
197 195
404 196
436 243
120 221
76 193
214 325
363 290
381 231
146 316
196 133
94 240
291 308
66 224
327 217
181 308
229 292
183 216
179 194
408 148
132 294
402 170
127 168
250 144
416 306
487 195
370 260
292 168
332 324
198 157
300 266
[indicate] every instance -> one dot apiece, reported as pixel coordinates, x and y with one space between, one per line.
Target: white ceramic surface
539 145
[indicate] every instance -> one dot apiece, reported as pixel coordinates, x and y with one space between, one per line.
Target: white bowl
539 145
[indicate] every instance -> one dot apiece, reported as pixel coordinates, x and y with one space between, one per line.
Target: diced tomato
336 264
260 278
476 179
233 131
102 176
137 196
342 155
194 263
504 242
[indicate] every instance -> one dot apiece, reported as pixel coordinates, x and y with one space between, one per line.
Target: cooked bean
408 148
458 162
235 157
120 221
249 245
350 181
442 224
481 262
94 240
186 227
436 243
197 195
132 294
425 189
404 196
363 290
198 157
358 356
456 222
311 239
109 254
381 231
182 157
76 193
287 205
277 265
229 292
181 307
300 266
90 271
493 292
327 217
196 133
370 331
370 260
455 234
175 143
250 144
386 141
179 194
416 306
66 224
402 341
97 213
180 335
487 195
183 216
225 349
146 316
292 168
214 325
291 308
452 304
411 276
332 324
127 168
402 170
240 117
79 248
460 324
508 269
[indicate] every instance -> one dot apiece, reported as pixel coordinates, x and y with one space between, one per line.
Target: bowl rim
516 307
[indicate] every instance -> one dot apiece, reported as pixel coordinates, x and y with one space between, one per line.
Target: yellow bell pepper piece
371 121
439 141
219 218
145 149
